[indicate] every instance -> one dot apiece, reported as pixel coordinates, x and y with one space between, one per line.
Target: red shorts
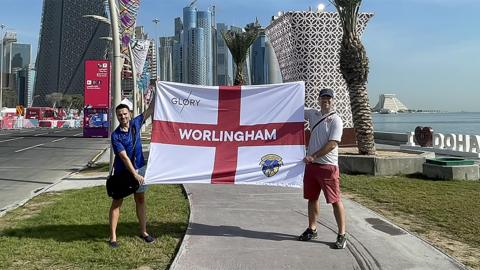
320 177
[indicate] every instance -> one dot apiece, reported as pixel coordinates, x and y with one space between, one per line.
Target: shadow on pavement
25 181
69 233
235 231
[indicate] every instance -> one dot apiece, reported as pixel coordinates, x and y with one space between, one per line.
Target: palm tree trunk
362 118
354 67
239 78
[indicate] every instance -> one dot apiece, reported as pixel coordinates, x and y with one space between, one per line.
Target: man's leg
141 212
113 217
311 191
339 212
313 213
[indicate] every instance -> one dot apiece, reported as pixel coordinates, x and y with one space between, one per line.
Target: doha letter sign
97 98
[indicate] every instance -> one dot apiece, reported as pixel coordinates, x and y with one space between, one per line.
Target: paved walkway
255 227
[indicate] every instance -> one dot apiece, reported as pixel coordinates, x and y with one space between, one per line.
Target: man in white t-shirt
321 171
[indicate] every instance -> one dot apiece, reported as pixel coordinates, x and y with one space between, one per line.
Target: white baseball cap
127 102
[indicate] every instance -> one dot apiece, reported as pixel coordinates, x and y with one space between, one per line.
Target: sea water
457 123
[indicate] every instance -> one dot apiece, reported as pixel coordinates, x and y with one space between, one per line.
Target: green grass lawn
69 230
450 209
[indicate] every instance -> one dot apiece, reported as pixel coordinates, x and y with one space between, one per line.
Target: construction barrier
59 123
20 123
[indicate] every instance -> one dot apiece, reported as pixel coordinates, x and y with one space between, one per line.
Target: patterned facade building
67 39
307 45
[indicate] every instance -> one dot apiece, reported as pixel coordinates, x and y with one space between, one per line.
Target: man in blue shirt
122 145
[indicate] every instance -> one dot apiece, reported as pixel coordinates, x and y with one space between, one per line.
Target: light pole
157 45
116 64
117 61
2 26
117 57
134 78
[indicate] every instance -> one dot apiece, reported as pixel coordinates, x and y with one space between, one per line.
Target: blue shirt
122 141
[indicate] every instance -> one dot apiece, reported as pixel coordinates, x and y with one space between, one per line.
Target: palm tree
238 44
354 68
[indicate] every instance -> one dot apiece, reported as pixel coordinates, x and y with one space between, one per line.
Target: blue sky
424 51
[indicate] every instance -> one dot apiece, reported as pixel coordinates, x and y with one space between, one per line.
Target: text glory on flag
228 134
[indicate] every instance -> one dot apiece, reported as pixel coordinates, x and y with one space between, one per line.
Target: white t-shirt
329 129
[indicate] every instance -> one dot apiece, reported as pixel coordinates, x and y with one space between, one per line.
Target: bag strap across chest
321 120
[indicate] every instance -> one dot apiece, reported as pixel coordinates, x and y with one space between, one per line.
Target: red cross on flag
228 135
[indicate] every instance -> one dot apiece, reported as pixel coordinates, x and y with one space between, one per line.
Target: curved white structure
307 45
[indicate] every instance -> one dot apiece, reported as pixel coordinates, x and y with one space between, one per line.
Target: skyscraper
257 60
204 21
15 55
67 39
224 61
8 38
165 57
178 28
196 69
177 53
264 65
197 47
24 85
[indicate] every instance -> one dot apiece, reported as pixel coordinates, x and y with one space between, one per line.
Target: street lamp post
157 45
2 26
134 78
116 64
117 61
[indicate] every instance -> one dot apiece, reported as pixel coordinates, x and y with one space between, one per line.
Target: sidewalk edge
183 249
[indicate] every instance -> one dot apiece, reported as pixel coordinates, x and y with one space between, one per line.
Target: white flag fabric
140 51
228 135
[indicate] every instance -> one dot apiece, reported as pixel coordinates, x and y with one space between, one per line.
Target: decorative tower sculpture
307 45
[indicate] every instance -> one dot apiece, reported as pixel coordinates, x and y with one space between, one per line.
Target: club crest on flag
271 163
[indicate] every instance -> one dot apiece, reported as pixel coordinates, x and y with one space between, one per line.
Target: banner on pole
97 98
97 83
228 135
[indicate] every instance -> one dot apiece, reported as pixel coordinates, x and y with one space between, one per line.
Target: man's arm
148 112
128 164
307 112
327 148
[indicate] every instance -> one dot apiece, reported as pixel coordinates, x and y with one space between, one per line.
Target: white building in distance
389 103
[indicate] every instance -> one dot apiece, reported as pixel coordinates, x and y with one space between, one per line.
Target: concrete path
256 227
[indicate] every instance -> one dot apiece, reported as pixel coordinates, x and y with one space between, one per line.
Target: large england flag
228 135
